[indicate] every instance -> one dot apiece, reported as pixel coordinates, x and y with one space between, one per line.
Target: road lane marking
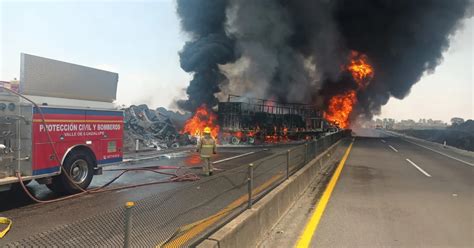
234 157
383 141
308 232
393 148
442 153
186 233
418 167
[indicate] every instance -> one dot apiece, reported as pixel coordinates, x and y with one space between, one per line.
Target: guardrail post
321 162
287 164
306 153
315 150
128 216
250 185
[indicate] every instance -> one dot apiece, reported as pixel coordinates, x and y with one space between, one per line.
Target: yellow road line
308 232
192 230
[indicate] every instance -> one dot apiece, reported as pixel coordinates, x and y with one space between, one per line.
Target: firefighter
206 147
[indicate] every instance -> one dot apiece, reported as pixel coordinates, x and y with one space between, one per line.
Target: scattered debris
157 129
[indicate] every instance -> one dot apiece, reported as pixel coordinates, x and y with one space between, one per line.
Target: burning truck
242 120
247 120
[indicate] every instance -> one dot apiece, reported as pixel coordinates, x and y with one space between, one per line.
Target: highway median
250 227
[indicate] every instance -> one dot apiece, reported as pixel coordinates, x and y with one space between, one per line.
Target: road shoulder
286 232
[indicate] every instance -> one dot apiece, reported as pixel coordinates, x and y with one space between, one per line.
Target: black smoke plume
209 47
293 50
403 40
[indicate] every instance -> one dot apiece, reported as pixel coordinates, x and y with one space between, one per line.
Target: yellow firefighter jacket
206 146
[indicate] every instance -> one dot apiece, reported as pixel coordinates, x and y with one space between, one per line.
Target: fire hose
173 177
5 221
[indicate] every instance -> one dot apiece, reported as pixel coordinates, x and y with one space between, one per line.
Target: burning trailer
249 120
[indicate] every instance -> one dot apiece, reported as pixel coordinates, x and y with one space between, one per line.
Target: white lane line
383 141
418 167
442 153
234 157
393 148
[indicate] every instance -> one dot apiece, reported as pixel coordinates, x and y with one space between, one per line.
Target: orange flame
203 117
340 106
361 70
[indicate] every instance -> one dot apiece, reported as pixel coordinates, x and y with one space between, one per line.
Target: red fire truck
54 126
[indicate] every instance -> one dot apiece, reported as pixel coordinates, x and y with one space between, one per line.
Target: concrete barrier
248 229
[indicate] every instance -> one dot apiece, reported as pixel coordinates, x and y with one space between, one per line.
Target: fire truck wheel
80 168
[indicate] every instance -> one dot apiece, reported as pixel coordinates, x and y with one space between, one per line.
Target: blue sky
140 40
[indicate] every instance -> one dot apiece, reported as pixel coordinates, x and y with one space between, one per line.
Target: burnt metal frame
237 109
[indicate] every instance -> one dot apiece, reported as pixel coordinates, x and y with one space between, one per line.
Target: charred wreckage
239 120
247 120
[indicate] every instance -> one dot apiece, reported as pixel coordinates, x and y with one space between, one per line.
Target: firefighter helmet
207 130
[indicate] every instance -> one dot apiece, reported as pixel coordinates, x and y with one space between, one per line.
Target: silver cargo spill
51 78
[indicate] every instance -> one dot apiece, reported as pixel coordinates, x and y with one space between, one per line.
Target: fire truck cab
60 142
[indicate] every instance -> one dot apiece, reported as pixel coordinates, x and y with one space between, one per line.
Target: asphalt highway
32 219
392 192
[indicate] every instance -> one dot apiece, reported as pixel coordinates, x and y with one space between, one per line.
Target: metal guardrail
285 164
186 215
267 173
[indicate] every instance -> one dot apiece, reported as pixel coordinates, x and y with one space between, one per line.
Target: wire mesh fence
277 168
186 215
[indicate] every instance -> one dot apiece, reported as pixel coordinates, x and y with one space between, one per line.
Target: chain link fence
186 215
